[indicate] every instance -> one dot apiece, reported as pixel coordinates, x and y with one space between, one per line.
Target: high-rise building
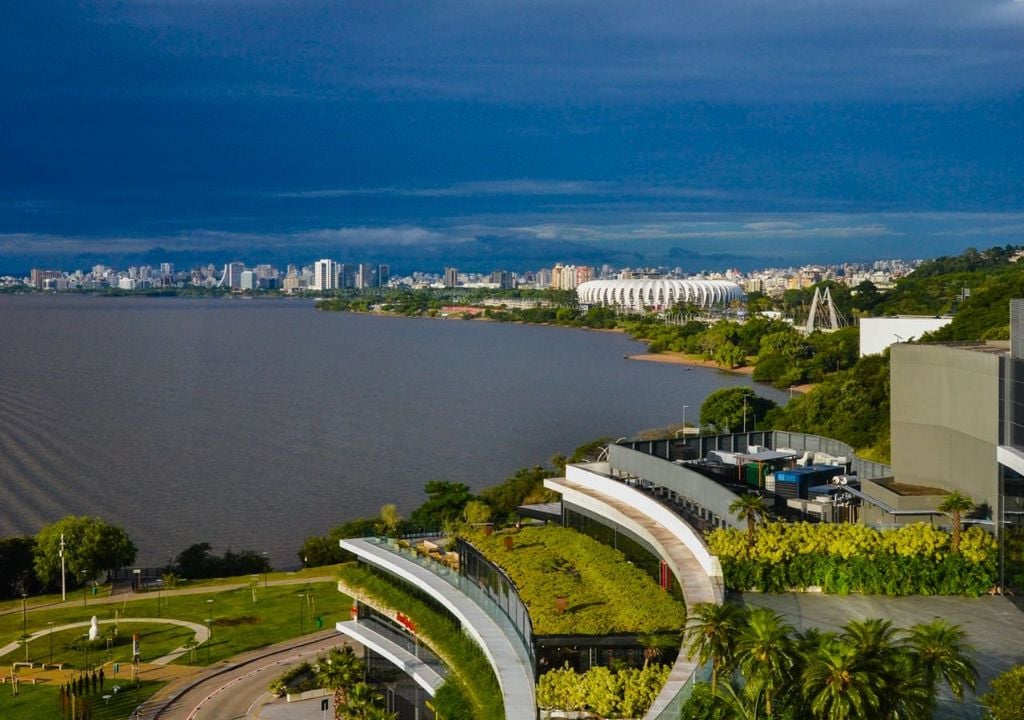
365 276
232 277
383 275
325 275
248 281
568 277
503 279
451 277
39 277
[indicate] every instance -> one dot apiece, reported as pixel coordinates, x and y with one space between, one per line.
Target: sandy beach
676 358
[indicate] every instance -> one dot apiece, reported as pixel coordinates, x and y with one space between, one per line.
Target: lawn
40 702
238 624
604 593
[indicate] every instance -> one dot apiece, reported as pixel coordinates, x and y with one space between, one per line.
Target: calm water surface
252 424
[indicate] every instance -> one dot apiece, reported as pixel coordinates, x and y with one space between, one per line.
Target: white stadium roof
638 295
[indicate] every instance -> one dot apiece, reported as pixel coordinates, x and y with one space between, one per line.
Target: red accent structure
406 622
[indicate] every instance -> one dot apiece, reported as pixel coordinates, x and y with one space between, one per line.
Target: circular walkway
201 632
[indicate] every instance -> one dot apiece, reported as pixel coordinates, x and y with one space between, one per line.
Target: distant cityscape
330 275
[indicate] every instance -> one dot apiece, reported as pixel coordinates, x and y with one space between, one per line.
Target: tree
1003 699
338 671
477 512
940 649
17 573
955 505
764 653
711 634
726 409
837 684
445 501
91 546
390 519
750 508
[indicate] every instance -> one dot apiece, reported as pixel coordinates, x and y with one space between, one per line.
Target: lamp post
266 567
684 419
209 636
50 623
63 573
24 622
744 412
302 623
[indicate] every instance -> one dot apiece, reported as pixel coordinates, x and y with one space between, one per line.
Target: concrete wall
876 334
877 517
945 419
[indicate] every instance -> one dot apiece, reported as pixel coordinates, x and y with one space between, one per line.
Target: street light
266 567
302 623
24 623
50 623
209 636
684 418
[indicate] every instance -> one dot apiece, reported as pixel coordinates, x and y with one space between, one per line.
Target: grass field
238 624
40 702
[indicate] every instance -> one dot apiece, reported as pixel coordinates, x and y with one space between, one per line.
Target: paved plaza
994 626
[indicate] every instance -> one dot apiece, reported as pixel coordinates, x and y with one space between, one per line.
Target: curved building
639 295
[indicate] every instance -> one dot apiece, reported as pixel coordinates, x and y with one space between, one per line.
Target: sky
702 133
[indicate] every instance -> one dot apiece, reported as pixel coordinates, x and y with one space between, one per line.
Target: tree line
93 548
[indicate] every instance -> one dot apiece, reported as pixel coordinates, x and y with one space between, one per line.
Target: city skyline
757 131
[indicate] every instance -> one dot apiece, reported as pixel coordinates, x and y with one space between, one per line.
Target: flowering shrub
842 558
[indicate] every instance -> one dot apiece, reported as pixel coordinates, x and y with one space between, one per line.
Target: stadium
643 294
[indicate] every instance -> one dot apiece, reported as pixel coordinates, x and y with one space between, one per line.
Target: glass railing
467 588
407 643
675 706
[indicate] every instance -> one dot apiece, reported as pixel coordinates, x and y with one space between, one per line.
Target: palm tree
874 639
361 703
711 634
837 685
898 682
940 649
765 653
956 505
656 644
750 508
339 672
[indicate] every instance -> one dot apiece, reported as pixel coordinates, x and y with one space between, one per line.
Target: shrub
627 692
1004 700
844 558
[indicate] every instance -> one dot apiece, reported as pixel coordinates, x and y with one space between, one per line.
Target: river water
252 424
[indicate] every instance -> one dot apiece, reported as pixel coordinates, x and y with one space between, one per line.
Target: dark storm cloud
549 50
277 123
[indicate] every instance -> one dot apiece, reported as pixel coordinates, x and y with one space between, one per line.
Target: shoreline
690 361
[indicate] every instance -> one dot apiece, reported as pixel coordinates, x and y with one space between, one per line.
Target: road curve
228 690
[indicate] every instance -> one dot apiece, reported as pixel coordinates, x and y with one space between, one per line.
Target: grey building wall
945 418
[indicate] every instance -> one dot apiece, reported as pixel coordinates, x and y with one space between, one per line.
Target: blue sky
713 132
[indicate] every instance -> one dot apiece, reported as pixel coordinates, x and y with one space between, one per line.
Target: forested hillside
852 405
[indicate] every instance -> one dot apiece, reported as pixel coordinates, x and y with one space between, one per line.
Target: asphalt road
235 689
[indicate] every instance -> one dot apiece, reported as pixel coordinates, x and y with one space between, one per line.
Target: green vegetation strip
604 593
841 558
469 667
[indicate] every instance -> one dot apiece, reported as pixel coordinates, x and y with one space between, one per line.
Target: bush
627 692
1005 701
844 558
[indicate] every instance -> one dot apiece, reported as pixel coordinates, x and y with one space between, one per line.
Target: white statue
94 629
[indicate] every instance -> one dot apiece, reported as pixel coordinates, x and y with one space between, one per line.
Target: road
235 689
